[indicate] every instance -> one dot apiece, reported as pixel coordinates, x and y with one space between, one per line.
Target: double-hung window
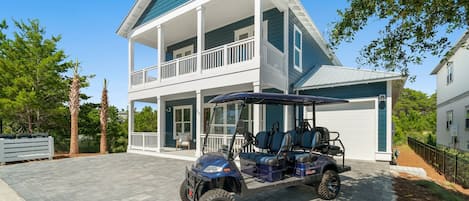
449 75
449 119
298 49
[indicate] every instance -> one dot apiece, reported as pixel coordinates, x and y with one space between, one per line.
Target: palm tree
103 119
74 109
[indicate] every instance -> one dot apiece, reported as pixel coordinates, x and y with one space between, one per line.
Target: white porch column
199 125
200 36
131 122
161 117
389 116
161 50
257 28
131 60
256 111
288 116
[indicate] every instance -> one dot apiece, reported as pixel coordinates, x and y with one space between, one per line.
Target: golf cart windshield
231 118
222 122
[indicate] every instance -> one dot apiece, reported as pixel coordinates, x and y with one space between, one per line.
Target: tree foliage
412 29
32 81
415 115
146 120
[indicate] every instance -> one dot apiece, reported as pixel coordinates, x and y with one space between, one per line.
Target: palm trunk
103 119
74 109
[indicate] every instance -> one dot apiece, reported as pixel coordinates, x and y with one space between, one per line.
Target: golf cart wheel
217 195
183 191
329 187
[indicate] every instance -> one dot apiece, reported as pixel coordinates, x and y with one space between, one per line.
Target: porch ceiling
217 14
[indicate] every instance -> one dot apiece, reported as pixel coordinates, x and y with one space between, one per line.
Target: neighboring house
452 97
206 48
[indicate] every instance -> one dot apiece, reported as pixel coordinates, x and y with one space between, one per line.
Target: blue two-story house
205 48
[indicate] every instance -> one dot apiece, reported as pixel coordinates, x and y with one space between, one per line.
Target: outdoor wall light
168 109
382 98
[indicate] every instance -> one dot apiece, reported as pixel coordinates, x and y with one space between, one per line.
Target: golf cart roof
273 98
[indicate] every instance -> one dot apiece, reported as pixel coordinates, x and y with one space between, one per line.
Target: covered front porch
183 119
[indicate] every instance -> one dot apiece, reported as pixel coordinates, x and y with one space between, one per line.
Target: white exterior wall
454 96
459 118
460 77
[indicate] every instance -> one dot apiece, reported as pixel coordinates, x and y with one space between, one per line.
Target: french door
182 122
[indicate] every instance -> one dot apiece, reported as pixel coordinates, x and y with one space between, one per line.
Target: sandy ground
408 157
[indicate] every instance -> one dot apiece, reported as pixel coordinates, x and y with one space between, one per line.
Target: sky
88 30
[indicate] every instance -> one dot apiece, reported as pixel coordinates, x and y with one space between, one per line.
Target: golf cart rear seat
304 142
268 166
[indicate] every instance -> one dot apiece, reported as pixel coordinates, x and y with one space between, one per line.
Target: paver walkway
129 177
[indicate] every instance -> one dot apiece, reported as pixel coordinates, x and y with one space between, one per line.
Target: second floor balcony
200 43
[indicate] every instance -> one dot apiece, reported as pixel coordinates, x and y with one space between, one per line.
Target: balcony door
182 122
182 52
248 31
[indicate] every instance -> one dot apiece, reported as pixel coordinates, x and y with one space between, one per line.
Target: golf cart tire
183 191
323 189
217 195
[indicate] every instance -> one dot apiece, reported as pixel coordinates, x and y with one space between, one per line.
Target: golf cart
270 159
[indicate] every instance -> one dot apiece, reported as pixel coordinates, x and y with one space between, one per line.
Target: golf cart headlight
213 169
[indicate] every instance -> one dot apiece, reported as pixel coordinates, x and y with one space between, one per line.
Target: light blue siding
158 7
225 34
312 54
360 91
273 113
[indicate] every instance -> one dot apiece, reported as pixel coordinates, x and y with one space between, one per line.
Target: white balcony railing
232 53
145 141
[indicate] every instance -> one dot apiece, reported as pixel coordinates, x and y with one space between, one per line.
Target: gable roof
131 19
451 52
334 76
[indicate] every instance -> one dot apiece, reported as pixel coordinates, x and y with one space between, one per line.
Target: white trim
245 30
183 51
389 116
182 107
349 83
299 67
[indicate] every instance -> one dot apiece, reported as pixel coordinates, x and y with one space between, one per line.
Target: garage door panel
356 123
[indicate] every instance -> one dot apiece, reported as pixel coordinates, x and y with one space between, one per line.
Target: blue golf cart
270 159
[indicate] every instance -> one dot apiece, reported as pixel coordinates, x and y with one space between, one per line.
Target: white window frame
183 51
449 121
299 67
466 118
175 137
250 31
225 125
449 72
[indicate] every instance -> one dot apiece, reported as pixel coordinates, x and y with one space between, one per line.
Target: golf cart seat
280 143
261 142
307 142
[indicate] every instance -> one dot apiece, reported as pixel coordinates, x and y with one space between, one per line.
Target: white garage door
356 122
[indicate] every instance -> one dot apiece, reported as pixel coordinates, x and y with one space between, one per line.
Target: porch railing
145 141
216 141
232 53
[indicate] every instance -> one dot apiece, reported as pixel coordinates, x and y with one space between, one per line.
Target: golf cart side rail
273 98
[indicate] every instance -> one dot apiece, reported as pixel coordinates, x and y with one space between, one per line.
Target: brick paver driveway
138 177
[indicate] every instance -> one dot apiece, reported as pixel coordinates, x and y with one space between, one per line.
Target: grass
440 192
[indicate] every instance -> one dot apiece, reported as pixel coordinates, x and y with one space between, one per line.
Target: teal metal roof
333 76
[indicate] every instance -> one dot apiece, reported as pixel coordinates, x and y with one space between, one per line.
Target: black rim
333 185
